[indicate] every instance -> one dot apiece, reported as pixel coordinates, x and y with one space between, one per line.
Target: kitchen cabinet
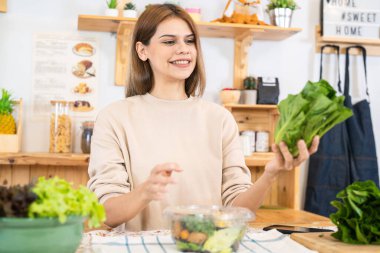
22 168
242 34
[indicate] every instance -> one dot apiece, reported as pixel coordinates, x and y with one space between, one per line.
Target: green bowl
40 235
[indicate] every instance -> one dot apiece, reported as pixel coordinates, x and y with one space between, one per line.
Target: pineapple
7 122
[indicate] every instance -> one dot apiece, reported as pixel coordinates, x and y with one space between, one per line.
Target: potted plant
229 96
249 94
130 10
281 12
46 216
112 8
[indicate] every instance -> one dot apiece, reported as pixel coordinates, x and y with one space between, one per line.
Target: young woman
163 145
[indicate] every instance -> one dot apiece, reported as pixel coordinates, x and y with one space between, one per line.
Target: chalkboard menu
351 18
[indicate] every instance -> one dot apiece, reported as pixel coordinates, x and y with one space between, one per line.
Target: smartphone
295 229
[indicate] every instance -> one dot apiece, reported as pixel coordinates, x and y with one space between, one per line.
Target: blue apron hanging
347 153
362 142
329 167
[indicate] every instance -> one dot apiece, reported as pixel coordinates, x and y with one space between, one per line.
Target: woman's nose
183 48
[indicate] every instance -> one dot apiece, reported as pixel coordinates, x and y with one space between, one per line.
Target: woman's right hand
154 188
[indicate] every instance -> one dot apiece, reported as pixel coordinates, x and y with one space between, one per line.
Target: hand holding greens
358 215
312 112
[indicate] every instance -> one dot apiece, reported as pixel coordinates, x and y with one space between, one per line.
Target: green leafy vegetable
15 200
57 198
358 214
222 240
199 224
312 112
188 246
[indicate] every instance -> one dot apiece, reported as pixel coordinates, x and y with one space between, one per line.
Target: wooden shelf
242 34
254 107
56 159
59 159
372 45
258 159
206 29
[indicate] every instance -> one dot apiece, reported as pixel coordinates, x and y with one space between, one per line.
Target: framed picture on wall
351 18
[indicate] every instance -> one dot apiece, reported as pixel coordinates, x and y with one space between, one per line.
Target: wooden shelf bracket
242 44
124 35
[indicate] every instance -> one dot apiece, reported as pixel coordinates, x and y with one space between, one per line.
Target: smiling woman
165 146
167 46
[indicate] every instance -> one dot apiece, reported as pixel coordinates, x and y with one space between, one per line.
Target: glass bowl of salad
208 228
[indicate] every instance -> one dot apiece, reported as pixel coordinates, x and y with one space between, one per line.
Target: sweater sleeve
108 168
236 175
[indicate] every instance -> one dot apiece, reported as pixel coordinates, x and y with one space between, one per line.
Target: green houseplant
249 94
130 10
281 12
112 4
112 8
290 4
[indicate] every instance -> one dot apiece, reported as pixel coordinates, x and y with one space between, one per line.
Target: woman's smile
181 63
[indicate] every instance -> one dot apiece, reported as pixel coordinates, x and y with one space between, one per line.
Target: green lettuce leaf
57 198
314 111
358 213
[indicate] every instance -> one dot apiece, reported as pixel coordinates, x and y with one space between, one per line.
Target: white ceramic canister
262 141
252 136
249 97
245 142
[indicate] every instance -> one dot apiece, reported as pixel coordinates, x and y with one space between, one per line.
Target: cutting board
325 243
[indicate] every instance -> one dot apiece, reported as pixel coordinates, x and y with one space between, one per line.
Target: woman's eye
169 42
191 41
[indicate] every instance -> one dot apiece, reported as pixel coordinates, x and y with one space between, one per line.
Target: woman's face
171 53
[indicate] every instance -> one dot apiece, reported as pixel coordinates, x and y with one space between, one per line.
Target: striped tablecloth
256 241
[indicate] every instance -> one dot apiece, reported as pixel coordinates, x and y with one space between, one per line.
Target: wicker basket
11 143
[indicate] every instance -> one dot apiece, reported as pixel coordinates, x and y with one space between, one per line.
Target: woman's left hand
284 160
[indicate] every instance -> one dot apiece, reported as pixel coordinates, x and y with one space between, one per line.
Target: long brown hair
140 75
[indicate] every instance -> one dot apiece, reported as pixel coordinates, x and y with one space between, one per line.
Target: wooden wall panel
20 175
284 191
5 175
23 174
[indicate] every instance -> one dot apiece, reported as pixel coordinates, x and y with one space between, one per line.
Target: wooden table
266 217
321 242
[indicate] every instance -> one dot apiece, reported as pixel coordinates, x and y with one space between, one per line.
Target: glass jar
87 127
60 127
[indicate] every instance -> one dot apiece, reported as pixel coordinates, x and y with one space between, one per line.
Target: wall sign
351 18
65 67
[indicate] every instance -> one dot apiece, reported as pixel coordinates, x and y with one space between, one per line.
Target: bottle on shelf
60 127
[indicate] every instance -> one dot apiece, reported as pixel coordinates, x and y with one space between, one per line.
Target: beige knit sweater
133 135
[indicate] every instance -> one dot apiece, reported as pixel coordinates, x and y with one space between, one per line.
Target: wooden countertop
78 159
284 216
266 217
60 159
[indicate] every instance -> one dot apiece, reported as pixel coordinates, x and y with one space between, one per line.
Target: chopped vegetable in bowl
208 228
